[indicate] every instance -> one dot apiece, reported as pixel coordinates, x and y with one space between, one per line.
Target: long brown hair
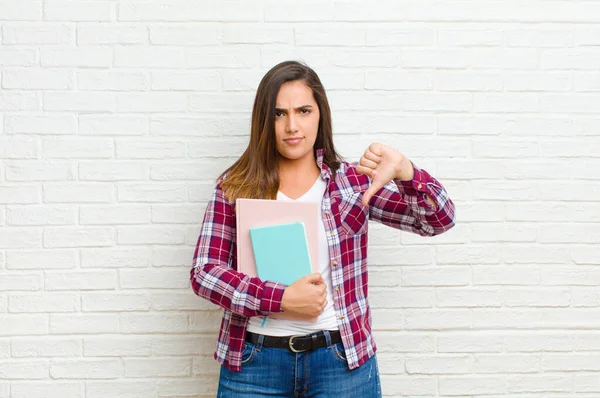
255 174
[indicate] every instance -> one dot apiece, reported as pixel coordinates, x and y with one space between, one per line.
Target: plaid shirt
400 204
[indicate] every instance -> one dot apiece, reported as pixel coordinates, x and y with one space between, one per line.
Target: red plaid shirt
400 204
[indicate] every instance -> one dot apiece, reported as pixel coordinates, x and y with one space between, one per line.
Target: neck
298 167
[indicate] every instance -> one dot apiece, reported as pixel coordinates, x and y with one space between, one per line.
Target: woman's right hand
306 297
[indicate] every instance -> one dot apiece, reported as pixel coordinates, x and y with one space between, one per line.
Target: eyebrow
297 108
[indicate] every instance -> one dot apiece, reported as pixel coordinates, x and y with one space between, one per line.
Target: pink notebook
259 213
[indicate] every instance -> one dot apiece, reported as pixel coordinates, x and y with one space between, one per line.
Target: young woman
291 156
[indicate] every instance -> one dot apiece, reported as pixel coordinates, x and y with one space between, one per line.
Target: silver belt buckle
291 344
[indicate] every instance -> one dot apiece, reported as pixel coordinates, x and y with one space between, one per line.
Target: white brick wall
116 116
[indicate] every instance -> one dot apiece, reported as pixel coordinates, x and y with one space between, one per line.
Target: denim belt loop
327 337
259 345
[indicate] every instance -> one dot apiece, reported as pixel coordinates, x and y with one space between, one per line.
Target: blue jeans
279 372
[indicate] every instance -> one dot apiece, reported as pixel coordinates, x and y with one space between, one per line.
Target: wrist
406 171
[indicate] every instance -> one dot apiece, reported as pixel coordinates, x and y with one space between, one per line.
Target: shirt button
419 186
334 263
327 213
341 317
337 288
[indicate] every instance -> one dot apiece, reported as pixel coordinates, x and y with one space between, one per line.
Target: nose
292 123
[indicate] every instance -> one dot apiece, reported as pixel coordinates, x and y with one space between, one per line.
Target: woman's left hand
382 164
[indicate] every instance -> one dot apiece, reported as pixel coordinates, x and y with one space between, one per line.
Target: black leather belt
298 343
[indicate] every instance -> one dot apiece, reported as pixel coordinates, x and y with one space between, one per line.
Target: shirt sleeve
405 205
212 276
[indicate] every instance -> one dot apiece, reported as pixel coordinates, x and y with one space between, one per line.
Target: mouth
294 140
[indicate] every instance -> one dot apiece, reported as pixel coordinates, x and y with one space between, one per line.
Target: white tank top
325 321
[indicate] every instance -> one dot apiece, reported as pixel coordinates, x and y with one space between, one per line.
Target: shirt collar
325 170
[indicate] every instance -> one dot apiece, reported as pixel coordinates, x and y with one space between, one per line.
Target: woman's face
296 121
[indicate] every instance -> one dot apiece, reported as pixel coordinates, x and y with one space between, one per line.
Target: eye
305 111
278 113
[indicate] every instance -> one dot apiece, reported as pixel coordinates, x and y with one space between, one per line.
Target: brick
23 370
413 385
219 57
459 385
19 238
247 34
539 342
39 170
540 383
186 81
157 367
438 364
21 282
111 33
78 193
562 276
227 146
207 385
329 36
19 194
279 12
182 345
113 81
82 57
447 102
208 168
207 321
185 126
81 280
447 59
506 102
437 319
403 37
192 35
186 10
506 275
61 10
46 33
241 102
530 254
436 276
31 79
585 297
113 171
18 147
503 232
18 325
40 348
115 258
43 302
121 214
21 10
152 102
19 101
154 278
171 256
411 80
117 302
201 192
504 190
143 323
121 346
461 298
59 237
585 255
79 101
40 389
161 57
152 192
83 323
406 298
569 58
153 148
121 388
18 57
410 256
555 81
537 297
42 259
41 215
86 369
180 214
469 37
54 124
121 125
538 37
472 342
468 81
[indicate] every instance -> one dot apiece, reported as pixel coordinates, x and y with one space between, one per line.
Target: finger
365 171
369 194
376 148
372 156
368 163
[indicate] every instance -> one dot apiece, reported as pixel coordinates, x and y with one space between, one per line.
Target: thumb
369 194
315 277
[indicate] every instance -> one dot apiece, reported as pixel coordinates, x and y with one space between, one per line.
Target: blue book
281 252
